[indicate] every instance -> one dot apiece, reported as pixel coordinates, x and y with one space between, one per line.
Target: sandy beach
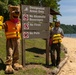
70 67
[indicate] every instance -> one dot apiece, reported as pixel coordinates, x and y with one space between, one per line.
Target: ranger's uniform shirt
56 33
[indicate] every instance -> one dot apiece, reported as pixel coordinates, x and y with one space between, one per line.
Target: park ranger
56 35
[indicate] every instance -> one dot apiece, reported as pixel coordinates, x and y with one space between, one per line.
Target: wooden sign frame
34 31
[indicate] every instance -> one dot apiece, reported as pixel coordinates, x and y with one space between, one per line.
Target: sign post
35 24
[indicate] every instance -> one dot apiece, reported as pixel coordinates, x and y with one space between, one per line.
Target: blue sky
68 11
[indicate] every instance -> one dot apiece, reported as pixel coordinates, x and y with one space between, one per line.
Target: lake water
70 35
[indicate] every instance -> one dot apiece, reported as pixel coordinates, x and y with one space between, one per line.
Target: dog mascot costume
12 32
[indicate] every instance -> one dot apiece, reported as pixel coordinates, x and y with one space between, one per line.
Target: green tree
68 29
53 4
3 9
14 2
46 3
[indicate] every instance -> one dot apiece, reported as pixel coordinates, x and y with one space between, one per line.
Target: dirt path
70 67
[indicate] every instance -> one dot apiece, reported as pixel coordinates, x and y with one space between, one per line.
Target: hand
62 36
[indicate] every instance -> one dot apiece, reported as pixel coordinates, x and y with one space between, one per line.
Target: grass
35 51
35 71
35 57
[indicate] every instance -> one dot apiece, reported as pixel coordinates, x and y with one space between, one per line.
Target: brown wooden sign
35 17
35 9
35 34
35 26
35 13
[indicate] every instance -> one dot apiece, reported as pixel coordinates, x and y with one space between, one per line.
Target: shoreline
70 67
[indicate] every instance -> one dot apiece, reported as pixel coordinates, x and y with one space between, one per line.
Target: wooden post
21 1
47 51
23 52
22 42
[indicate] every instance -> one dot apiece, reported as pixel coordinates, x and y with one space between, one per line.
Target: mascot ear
9 6
18 7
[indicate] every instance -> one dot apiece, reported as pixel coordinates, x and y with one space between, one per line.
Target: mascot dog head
14 13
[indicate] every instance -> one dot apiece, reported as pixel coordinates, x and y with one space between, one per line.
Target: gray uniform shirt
56 30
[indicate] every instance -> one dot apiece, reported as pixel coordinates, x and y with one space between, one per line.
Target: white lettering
31 15
33 11
31 32
37 16
36 33
31 24
35 19
37 24
39 11
37 8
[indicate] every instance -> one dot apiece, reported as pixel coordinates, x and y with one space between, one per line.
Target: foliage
14 2
68 28
53 4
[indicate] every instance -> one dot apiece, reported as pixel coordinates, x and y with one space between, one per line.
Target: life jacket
56 38
12 30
